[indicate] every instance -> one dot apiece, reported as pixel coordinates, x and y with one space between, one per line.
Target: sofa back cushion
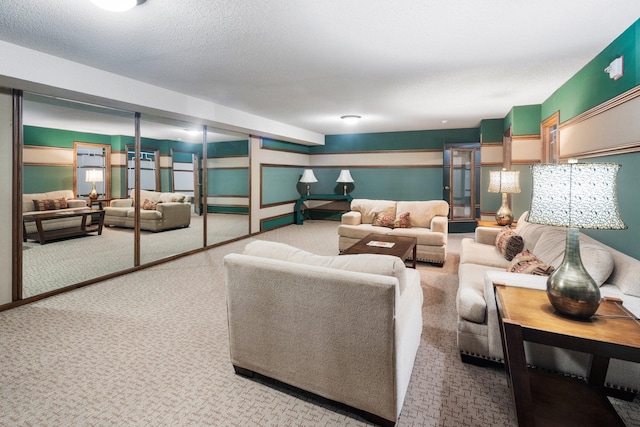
27 199
385 265
422 212
530 232
369 208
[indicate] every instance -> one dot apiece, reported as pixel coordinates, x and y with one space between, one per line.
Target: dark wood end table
43 236
402 246
545 399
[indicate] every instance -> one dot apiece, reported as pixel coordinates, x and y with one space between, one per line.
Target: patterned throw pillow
527 263
50 204
382 220
509 243
403 220
149 205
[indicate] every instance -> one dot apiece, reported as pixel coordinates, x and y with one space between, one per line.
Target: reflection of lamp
504 182
345 178
307 178
93 176
575 195
117 5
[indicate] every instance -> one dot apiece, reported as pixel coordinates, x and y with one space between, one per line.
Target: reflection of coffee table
43 235
402 246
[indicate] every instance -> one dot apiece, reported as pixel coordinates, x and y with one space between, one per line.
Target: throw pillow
50 204
382 220
527 263
149 205
403 220
509 243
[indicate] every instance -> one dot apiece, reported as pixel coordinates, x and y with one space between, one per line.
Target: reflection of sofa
427 222
60 200
346 328
481 264
158 211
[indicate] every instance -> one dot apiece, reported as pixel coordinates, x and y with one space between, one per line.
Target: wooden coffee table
43 236
541 398
402 246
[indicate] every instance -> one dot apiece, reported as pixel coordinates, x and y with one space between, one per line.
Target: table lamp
307 178
93 176
505 182
345 178
575 195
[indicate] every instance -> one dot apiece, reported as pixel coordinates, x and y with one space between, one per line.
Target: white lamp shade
504 181
580 195
94 175
345 176
308 176
115 5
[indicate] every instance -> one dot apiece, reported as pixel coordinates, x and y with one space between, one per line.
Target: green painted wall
526 120
591 86
46 137
228 149
228 182
286 146
40 179
491 130
280 184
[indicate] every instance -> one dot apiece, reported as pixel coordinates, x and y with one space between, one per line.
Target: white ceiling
400 64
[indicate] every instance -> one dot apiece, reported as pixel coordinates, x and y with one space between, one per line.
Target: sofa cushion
479 253
368 208
527 263
144 214
422 212
509 243
530 232
403 220
425 236
360 231
386 265
149 204
470 302
382 220
49 204
171 197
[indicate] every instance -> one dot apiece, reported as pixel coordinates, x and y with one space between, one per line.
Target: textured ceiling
401 64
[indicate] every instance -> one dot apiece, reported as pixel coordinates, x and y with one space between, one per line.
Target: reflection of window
92 157
149 172
550 139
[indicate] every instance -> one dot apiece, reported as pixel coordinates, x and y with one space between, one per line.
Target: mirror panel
170 218
227 186
62 140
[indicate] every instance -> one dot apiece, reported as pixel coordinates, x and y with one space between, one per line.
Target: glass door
461 184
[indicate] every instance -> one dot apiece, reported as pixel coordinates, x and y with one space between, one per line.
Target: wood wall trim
425 150
525 137
623 149
491 144
605 106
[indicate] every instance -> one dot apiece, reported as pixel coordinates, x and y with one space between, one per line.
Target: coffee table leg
415 255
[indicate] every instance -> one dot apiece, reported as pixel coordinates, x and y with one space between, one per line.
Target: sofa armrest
352 218
76 203
486 235
440 224
121 203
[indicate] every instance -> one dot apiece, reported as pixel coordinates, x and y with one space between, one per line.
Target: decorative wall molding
605 106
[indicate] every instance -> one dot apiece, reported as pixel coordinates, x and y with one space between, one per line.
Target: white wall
6 168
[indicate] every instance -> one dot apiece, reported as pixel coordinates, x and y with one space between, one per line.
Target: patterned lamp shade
504 181
580 195
93 175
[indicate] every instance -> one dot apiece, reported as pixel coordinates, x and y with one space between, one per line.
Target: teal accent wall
46 137
40 179
166 183
228 182
228 148
591 86
228 209
280 184
285 146
412 140
526 120
276 222
491 130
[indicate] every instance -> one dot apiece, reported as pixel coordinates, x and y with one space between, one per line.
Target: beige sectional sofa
428 223
482 264
158 211
346 328
50 201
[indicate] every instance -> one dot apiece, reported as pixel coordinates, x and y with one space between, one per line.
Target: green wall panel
491 130
276 222
412 140
228 149
393 183
39 179
286 146
280 184
166 180
228 182
591 86
526 120
227 209
60 138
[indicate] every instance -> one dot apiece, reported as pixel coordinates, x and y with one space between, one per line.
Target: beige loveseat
427 222
158 211
481 264
346 328
51 201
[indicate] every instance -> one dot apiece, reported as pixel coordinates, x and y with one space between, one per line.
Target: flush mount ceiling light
117 5
350 118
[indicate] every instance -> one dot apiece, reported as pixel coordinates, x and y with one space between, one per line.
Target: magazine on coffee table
379 244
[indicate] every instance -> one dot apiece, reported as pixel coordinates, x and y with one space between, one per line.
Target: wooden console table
542 398
298 209
43 236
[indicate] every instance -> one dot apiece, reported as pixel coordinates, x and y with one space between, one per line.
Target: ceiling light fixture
350 118
117 5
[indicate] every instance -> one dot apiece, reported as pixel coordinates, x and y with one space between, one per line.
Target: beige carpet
151 349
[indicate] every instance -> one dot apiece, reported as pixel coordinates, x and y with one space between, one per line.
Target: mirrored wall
175 187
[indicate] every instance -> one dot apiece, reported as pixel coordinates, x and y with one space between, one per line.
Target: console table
543 398
298 209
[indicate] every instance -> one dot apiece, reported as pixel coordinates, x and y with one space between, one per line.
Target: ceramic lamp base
504 216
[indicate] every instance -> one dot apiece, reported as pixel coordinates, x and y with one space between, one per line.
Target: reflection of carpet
151 349
65 262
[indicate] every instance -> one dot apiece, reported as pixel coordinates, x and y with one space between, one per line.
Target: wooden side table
494 224
544 399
